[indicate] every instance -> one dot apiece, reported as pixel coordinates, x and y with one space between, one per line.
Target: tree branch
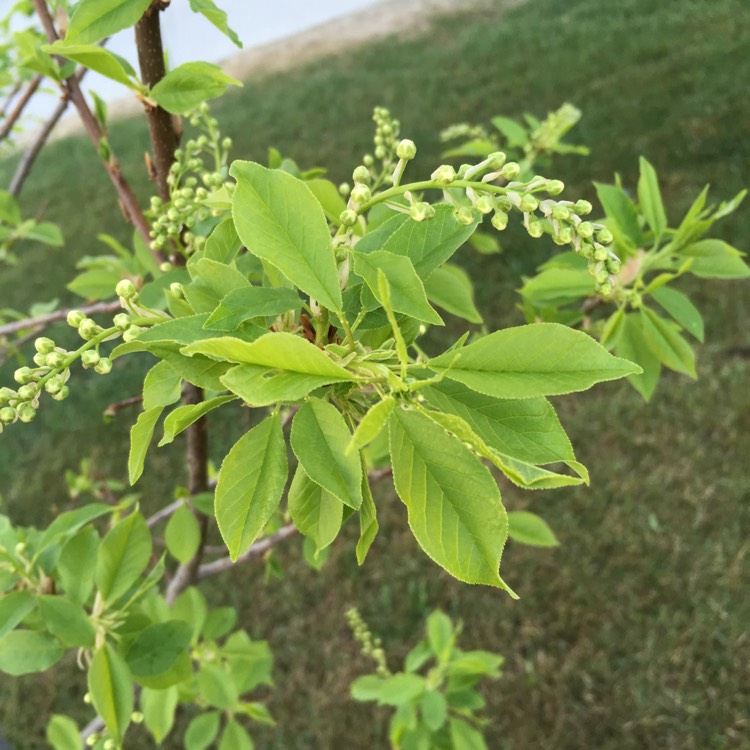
42 321
20 106
11 96
163 513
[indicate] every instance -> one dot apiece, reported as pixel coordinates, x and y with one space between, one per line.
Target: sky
188 36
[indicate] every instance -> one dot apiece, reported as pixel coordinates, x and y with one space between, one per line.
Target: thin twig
118 406
11 96
20 106
42 321
165 512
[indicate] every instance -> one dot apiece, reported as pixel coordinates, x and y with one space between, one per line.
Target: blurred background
635 633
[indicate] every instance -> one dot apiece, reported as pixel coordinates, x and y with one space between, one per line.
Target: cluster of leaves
71 587
436 696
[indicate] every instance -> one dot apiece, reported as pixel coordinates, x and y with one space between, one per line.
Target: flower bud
564 236
177 290
89 358
604 236
361 193
40 359
126 289
381 152
26 412
605 289
26 392
137 717
6 394
361 174
583 208
421 211
560 213
367 160
131 334
585 229
601 275
510 171
406 149
226 143
55 359
444 175
103 366
345 188
75 318
53 386
348 218
88 329
485 204
613 266
600 254
464 215
62 394
7 415
586 250
554 187
496 160
500 221
529 204
23 375
44 345
122 321
535 228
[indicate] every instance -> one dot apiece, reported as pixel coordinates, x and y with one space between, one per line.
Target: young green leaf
111 690
235 737
666 343
681 309
649 198
461 525
714 259
63 733
440 635
279 219
98 59
319 439
465 737
216 16
182 535
122 556
158 707
631 344
14 606
368 520
251 483
162 386
622 215
189 85
540 359
94 20
371 425
202 731
27 651
77 564
434 709
316 513
450 287
67 621
217 687
529 528
157 647
252 302
182 417
141 434
223 244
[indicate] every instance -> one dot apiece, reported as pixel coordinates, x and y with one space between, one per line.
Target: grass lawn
634 633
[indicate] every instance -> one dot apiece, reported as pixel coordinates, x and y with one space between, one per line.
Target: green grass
633 634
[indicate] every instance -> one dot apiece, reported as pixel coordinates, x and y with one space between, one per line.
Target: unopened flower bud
136 717
367 160
554 187
604 236
535 228
496 160
613 266
88 329
345 188
600 254
381 152
583 208
26 412
601 275
166 267
585 229
177 290
564 236
26 392
75 318
89 358
103 366
126 289
7 414
444 175
44 345
500 221
464 215
484 204
510 171
53 385
421 211
406 149
348 218
560 213
62 394
361 193
40 359
122 321
23 375
226 143
55 359
131 334
529 204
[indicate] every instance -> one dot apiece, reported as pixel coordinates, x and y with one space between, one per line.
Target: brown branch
164 512
11 96
20 106
42 321
70 86
118 406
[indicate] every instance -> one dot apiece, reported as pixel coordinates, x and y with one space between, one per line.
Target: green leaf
235 737
156 648
558 285
67 621
371 425
368 521
450 287
46 233
14 606
69 523
77 563
428 244
182 417
122 556
180 672
251 483
666 343
217 687
631 344
280 221
649 198
183 534
158 707
529 528
367 688
622 215
316 513
10 211
440 635
681 309
465 737
63 733
162 386
329 197
191 607
223 244
93 20
219 622
96 284
540 359
319 439
714 259
514 133
141 434
407 291
201 371
434 709
98 59
216 16
27 651
246 304
111 690
202 731
460 523
401 688
189 85
251 662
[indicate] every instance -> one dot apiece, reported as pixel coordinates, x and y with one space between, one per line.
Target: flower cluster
370 646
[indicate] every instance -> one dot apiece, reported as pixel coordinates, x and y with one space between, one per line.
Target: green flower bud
187 192
88 329
529 204
23 375
89 358
583 208
502 202
585 229
600 254
586 250
535 228
421 211
53 386
485 204
500 221
348 217
381 152
7 415
554 187
126 289
26 412
103 366
464 215
496 160
613 266
444 175
62 394
136 717
604 236
406 149
122 321
40 359
361 193
564 236
510 171
601 275
605 289
155 202
367 160
75 318
55 360
226 143
44 345
345 188
26 392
